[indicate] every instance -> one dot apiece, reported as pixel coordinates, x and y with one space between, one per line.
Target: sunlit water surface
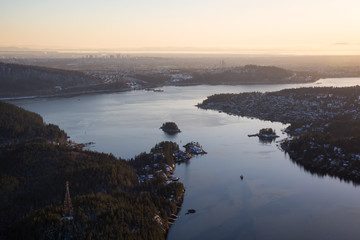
276 199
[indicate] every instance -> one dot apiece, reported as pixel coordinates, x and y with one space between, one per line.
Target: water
275 200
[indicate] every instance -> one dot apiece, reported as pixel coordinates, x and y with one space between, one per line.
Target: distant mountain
21 80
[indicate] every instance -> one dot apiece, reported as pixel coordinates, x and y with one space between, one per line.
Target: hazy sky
279 26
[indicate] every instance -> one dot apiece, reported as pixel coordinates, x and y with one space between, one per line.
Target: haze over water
276 199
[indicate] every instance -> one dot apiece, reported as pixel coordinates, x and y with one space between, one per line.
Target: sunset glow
258 26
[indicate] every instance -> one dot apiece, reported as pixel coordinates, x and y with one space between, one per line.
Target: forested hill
250 74
18 125
108 200
22 80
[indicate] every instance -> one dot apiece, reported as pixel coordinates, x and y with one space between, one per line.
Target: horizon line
180 51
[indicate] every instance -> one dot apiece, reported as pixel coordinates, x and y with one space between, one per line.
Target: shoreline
65 94
152 88
317 118
145 88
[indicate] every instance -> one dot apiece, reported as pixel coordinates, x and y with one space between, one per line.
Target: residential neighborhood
289 105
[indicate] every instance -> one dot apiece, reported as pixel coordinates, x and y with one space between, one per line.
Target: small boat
175 178
190 211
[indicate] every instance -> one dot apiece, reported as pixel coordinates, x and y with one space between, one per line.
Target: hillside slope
108 200
21 80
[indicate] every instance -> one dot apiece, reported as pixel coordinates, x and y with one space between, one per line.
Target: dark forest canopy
170 127
108 200
19 125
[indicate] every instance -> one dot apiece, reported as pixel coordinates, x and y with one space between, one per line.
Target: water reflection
171 136
276 199
266 140
314 171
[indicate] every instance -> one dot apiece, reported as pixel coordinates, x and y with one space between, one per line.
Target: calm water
275 200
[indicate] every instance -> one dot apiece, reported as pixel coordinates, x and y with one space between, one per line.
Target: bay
276 199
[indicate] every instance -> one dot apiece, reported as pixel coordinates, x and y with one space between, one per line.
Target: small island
170 128
265 133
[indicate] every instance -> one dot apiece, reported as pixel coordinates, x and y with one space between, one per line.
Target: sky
234 26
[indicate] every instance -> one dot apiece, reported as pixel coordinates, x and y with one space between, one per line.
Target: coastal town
248 74
290 105
158 166
160 162
50 82
324 124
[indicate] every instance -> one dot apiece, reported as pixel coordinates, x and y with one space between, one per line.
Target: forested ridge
22 80
18 125
109 201
249 74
